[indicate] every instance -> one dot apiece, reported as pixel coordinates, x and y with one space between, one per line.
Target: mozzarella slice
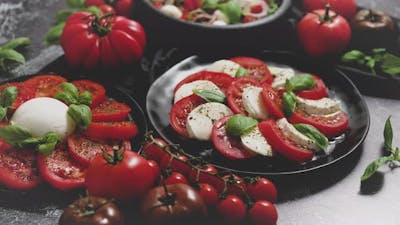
322 106
220 16
219 23
294 135
171 10
281 75
224 66
253 103
256 142
187 89
201 119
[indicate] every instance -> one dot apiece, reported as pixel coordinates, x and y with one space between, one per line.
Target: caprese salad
246 108
52 129
217 12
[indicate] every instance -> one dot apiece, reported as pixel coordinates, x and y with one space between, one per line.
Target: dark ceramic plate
159 102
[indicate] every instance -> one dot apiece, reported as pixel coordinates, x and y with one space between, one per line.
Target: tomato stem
100 26
327 9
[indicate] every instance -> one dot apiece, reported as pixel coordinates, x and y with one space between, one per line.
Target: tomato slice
60 170
279 143
330 126
222 80
317 92
112 130
84 149
110 111
235 91
18 169
45 85
257 68
97 90
227 146
180 111
24 93
272 101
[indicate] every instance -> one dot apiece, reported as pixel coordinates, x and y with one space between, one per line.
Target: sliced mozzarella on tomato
171 10
201 119
256 142
187 89
323 106
220 16
253 103
294 135
281 75
224 66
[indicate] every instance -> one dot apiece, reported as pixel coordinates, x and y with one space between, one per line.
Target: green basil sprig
241 72
232 10
210 96
272 7
21 137
289 103
8 52
300 82
81 114
70 95
238 125
313 133
7 98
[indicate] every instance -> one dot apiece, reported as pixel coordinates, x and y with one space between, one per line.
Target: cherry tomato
45 85
25 93
222 80
235 185
176 178
272 102
178 165
180 111
322 33
155 149
97 90
248 19
235 91
228 147
263 213
156 168
209 194
110 111
60 170
256 67
283 145
346 8
262 189
232 210
191 5
113 130
317 92
106 9
196 174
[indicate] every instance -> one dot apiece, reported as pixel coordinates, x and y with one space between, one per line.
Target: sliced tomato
282 145
45 85
257 68
191 5
18 169
272 101
84 149
235 91
97 90
222 80
227 146
110 111
180 111
330 126
112 130
60 170
24 93
317 92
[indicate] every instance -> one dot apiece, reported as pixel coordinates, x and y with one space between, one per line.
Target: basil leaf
238 125
29 142
76 3
69 87
93 9
85 98
379 50
242 72
13 134
81 114
49 142
352 56
300 82
66 97
388 134
272 7
3 112
313 133
8 96
210 96
11 55
374 166
53 35
289 103
63 14
232 10
16 43
391 64
209 4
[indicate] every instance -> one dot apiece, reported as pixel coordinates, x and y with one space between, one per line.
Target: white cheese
281 75
294 135
256 142
187 89
224 66
322 106
171 10
253 103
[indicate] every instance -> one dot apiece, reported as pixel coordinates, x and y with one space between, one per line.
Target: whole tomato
197 174
172 204
323 33
175 164
263 213
155 149
346 8
175 178
209 194
122 7
262 189
121 175
93 42
232 209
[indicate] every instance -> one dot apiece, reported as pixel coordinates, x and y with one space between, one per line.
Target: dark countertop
331 197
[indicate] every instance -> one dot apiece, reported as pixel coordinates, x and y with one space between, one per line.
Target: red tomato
257 68
180 111
322 37
196 173
232 210
317 92
177 165
272 102
97 90
262 189
222 80
93 43
236 186
263 213
229 147
155 168
18 169
60 170
45 85
124 179
346 8
330 126
176 178
106 9
84 149
122 7
209 194
113 130
191 4
235 91
110 111
283 145
155 149
24 93
248 19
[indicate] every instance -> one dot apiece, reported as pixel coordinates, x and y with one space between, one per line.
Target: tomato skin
155 149
97 90
263 189
322 39
25 93
256 67
106 9
169 162
175 178
192 4
110 111
232 210
317 92
195 175
209 194
155 168
122 7
346 8
272 102
263 213
236 185
45 85
235 91
112 130
222 80
282 145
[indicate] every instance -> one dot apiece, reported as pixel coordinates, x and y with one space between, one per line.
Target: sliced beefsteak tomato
97 90
24 93
235 91
112 130
257 68
317 92
222 80
272 101
45 85
110 111
283 145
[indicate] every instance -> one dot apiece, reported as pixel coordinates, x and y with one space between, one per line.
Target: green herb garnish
238 125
